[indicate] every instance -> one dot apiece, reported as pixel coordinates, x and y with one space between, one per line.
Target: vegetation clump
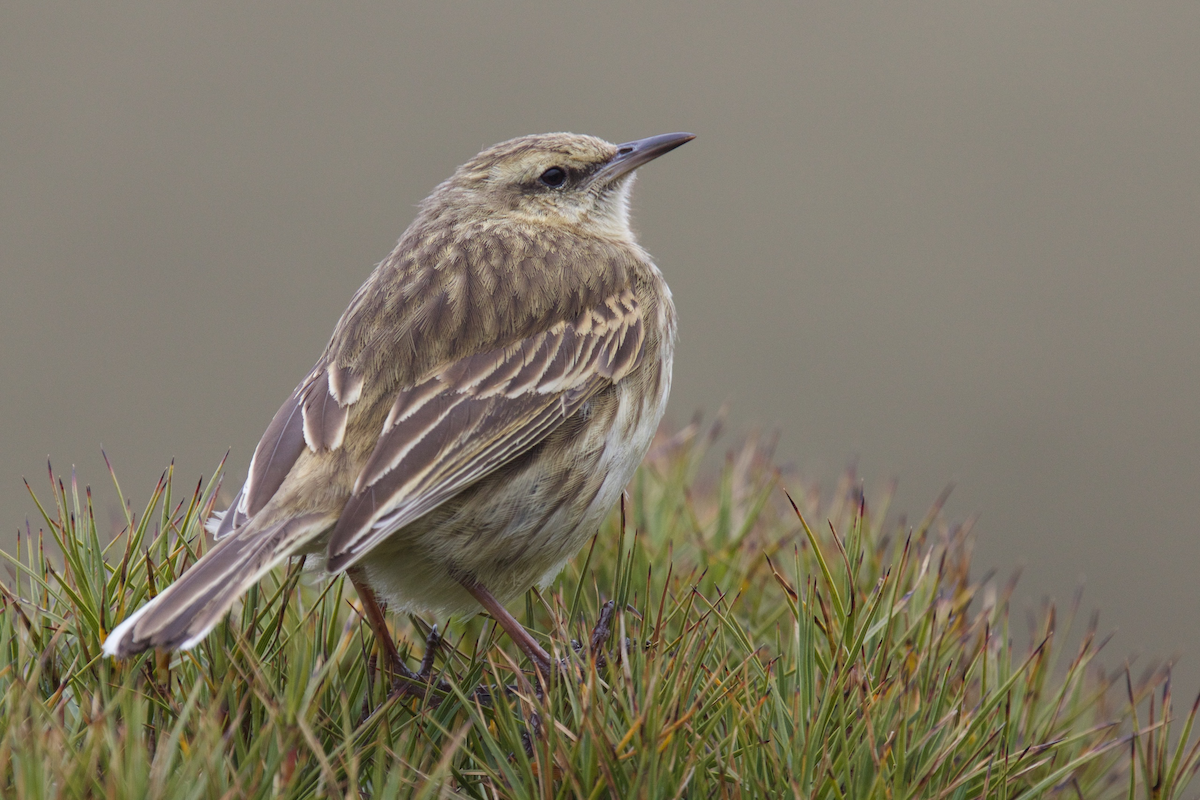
754 653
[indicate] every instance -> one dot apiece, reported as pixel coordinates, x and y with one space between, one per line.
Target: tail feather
188 609
223 523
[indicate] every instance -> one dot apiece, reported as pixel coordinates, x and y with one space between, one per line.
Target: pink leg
379 625
529 646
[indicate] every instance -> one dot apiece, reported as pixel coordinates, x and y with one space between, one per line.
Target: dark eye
554 177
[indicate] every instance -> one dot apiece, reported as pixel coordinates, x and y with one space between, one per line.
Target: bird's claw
406 681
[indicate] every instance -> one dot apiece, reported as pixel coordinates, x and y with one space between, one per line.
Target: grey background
956 242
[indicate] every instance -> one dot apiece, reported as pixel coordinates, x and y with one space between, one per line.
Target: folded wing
461 423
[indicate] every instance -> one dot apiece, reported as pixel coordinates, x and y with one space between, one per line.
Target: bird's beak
632 155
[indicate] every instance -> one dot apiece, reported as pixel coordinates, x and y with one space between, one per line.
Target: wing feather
324 416
314 416
273 458
475 415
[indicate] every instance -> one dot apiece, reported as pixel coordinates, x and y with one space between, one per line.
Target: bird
477 412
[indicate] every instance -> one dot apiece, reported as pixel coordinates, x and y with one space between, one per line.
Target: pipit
477 412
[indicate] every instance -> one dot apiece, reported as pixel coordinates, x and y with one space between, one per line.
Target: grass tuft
765 644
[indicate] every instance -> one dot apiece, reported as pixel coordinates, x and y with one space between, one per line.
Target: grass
761 649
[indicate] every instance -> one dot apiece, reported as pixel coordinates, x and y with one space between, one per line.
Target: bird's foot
601 632
545 666
417 684
562 667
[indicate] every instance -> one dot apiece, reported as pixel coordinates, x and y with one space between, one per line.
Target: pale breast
642 401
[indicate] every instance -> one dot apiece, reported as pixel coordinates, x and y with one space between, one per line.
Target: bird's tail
183 614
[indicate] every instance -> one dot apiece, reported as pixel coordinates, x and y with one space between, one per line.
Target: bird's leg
379 627
602 631
529 646
432 642
600 635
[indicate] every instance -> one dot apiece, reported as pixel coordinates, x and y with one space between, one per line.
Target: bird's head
562 180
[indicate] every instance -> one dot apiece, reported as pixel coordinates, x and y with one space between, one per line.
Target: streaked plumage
479 408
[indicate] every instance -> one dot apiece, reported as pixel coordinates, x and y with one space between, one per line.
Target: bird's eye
554 177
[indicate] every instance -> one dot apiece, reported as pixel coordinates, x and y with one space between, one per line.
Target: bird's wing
461 423
274 457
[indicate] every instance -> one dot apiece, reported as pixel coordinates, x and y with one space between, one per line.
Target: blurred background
946 242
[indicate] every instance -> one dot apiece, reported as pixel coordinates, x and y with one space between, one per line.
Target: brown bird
477 412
